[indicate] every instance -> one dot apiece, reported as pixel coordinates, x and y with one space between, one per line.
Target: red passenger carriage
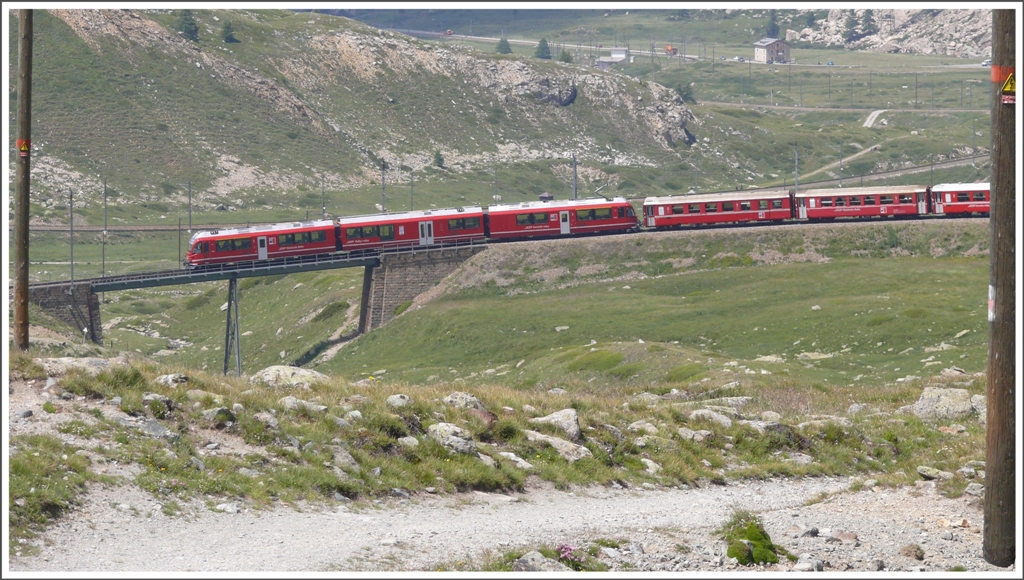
960 198
410 229
538 219
861 202
712 208
262 242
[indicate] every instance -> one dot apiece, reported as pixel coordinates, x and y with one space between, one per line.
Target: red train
817 204
567 218
412 229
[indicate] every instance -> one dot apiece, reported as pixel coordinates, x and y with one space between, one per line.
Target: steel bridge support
232 334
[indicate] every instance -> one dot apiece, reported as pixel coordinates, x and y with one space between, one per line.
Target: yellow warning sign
24 146
1010 86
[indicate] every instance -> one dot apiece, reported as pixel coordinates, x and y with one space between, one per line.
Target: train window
584 214
317 236
456 224
694 208
776 204
726 206
630 212
302 238
710 207
963 196
241 243
472 222
886 199
387 232
855 200
677 208
370 231
744 205
352 233
840 201
286 239
979 196
826 202
869 200
906 199
762 204
604 213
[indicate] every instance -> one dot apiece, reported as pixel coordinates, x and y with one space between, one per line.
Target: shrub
402 307
330 310
626 371
684 372
748 542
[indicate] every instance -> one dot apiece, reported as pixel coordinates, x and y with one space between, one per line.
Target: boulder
282 376
567 420
651 467
932 473
200 395
267 419
709 415
220 416
516 460
396 401
644 426
568 450
938 403
171 380
461 400
536 562
452 437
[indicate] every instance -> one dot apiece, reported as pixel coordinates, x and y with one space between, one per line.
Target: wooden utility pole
23 143
999 543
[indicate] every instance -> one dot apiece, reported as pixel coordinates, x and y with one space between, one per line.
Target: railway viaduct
389 280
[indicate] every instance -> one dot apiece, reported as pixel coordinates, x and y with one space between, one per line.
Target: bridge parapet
77 305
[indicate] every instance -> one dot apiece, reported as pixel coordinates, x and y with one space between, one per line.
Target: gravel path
122 529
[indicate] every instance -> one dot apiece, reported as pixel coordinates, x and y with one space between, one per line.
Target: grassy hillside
307 105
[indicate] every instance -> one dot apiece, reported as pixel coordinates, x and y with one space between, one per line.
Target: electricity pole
1000 503
323 200
383 206
23 143
574 175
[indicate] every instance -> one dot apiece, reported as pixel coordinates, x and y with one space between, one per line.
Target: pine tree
773 25
685 91
810 18
438 159
851 28
187 25
868 24
504 47
227 34
565 56
543 51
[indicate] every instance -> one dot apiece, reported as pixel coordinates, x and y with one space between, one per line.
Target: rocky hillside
305 99
959 33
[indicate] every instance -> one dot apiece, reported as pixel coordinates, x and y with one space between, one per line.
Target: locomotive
571 218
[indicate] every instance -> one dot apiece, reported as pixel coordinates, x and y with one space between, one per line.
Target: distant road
843 109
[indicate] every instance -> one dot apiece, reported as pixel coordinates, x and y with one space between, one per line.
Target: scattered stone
397 401
799 459
811 532
709 415
516 460
614 431
938 403
652 467
567 420
24 414
154 428
343 458
953 429
975 489
486 459
855 408
452 437
654 441
953 371
220 416
644 426
266 418
200 395
931 473
808 563
341 423
237 409
171 380
845 537
529 409
408 441
980 406
197 463
536 562
508 410
281 376
353 416
461 400
57 367
771 416
946 535
569 451
228 508
557 391
876 565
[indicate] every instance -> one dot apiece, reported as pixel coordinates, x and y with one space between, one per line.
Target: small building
771 50
617 55
546 196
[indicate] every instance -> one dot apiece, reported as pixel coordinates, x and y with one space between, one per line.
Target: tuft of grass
684 372
748 541
403 307
331 310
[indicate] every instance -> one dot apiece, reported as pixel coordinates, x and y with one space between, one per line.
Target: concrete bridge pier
74 304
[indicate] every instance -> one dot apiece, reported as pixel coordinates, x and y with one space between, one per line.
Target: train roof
943 187
262 229
556 203
724 196
418 214
888 190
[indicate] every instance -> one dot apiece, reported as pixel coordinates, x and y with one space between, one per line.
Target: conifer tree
227 34
773 25
543 50
187 25
504 47
565 56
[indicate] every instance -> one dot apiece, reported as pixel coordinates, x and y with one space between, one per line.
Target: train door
563 220
426 233
802 208
921 209
261 247
937 202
